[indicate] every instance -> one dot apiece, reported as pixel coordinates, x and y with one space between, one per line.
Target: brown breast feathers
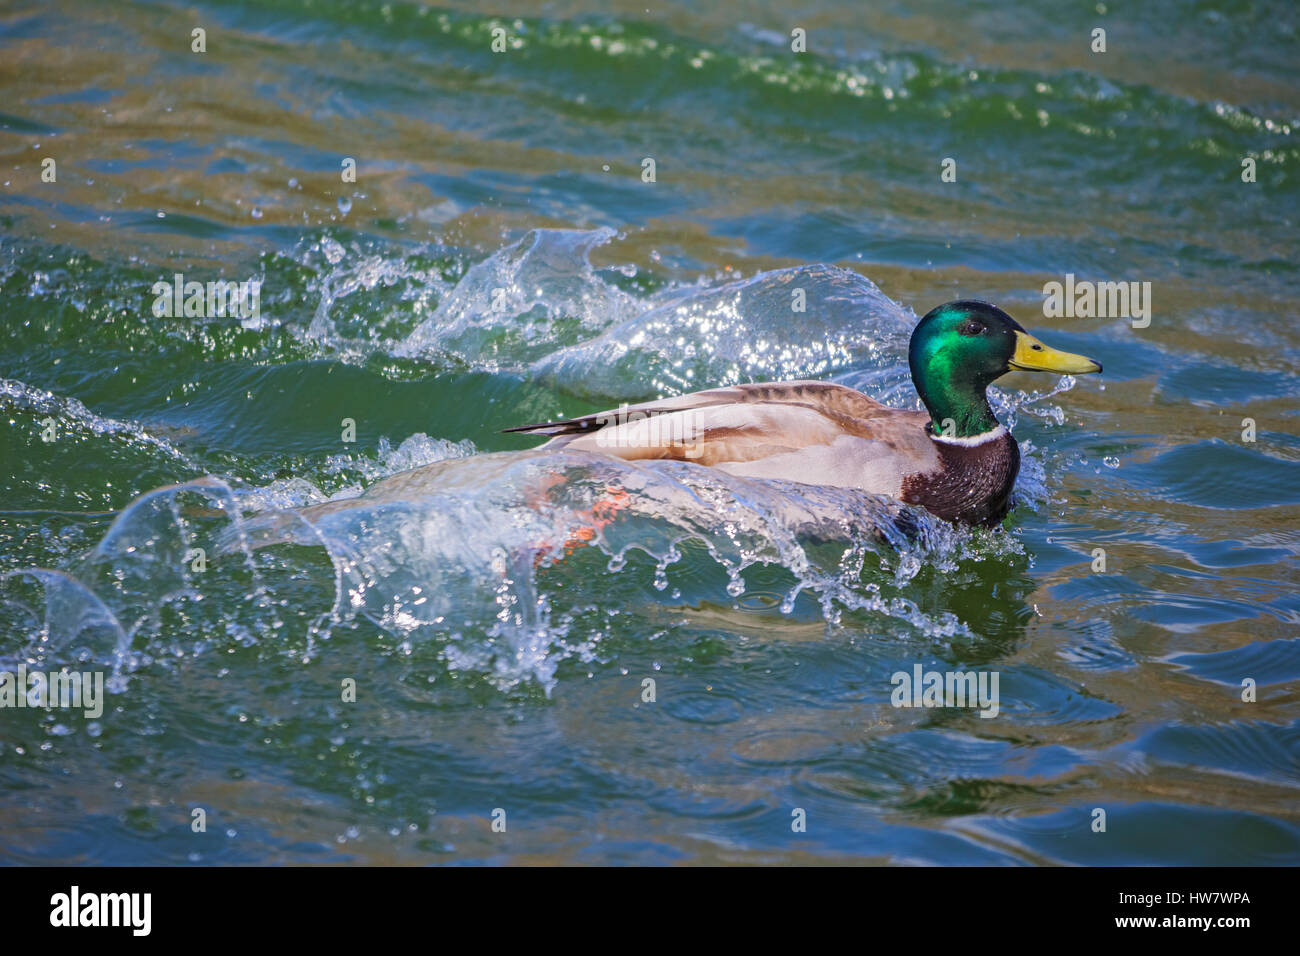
972 484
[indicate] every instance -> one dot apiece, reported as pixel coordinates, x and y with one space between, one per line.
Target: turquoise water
500 260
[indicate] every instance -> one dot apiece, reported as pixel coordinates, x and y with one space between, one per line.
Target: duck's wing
814 432
836 401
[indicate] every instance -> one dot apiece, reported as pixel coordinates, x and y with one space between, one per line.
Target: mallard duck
955 458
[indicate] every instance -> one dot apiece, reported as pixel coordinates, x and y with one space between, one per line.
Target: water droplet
257 212
333 251
1110 461
345 205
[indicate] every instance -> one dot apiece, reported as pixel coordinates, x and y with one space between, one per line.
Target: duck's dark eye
971 328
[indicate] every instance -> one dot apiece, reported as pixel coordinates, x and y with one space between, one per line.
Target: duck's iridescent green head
960 347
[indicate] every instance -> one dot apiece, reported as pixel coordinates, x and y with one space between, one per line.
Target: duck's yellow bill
1033 356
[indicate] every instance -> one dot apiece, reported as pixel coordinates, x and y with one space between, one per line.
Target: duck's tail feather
594 422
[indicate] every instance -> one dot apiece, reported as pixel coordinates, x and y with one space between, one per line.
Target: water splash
501 565
540 306
420 550
70 411
523 301
739 332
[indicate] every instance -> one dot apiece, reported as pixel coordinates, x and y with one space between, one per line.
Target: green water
500 260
